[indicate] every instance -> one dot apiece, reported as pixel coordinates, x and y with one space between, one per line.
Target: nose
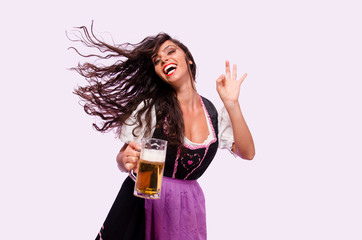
164 58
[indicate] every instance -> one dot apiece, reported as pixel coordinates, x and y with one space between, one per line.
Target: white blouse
226 136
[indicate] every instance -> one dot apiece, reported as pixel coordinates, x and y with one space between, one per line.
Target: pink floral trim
176 163
165 130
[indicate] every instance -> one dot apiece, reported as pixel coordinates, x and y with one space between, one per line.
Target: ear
190 62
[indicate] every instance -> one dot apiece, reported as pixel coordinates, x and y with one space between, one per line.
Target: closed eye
171 51
156 61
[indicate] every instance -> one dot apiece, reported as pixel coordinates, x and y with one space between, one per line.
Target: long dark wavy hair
115 90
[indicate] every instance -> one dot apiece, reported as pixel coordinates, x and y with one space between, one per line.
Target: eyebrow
171 45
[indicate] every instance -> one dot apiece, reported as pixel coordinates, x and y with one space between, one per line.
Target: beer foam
153 155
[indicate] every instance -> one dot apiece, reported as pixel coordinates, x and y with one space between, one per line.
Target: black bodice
192 162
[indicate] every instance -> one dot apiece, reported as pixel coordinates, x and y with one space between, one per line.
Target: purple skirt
179 214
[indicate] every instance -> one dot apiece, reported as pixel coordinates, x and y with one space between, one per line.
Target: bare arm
228 88
244 144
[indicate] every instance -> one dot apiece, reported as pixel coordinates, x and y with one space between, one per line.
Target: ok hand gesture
228 86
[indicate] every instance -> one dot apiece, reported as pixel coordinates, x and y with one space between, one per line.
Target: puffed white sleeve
126 131
226 136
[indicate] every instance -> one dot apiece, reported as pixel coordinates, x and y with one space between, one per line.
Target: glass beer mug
150 168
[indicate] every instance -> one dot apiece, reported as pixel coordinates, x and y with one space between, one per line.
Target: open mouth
169 69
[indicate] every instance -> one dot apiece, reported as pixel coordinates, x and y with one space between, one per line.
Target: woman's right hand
128 157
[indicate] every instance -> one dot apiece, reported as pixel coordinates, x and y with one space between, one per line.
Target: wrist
231 105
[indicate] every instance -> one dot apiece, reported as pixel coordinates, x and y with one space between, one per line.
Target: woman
150 92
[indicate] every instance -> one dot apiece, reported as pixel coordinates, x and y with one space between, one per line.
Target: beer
150 172
150 168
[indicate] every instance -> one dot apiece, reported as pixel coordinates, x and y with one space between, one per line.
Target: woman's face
170 63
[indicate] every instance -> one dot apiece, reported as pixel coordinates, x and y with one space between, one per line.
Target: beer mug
150 168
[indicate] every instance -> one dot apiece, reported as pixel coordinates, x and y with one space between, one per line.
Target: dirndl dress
179 214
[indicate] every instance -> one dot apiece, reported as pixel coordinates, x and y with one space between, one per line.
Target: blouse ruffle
226 136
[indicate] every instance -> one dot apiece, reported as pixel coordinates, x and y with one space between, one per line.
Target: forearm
243 140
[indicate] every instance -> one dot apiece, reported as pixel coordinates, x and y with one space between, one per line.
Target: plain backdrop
301 99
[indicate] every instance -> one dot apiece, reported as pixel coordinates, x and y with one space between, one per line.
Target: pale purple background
302 100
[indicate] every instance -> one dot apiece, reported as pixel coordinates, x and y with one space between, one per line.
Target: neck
187 95
188 98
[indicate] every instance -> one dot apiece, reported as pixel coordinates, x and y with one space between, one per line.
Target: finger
133 150
129 166
241 80
130 163
134 145
234 71
220 79
131 159
227 68
130 153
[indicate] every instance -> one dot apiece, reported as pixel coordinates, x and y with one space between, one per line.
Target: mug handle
131 174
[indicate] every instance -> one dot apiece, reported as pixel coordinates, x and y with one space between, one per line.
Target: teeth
170 72
169 69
